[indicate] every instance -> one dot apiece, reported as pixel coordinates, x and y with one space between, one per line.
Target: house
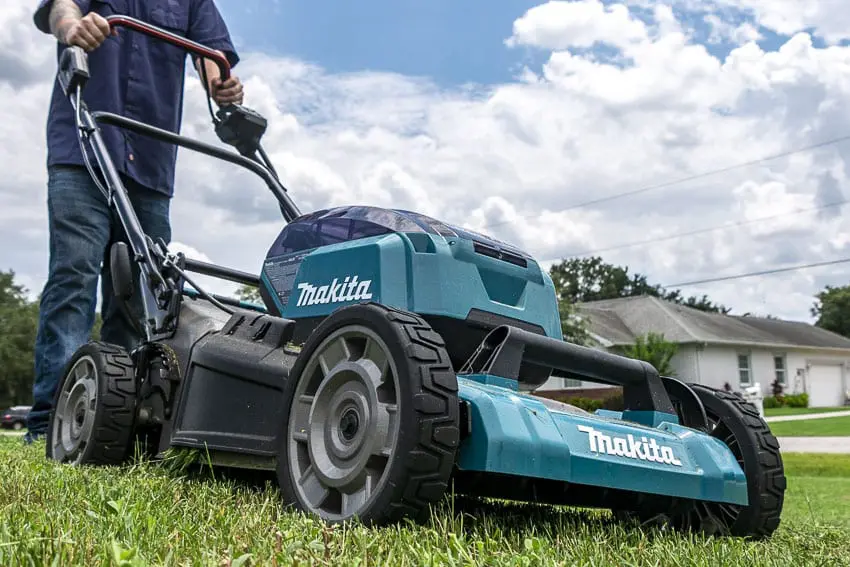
716 349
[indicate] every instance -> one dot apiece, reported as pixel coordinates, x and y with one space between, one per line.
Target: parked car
15 417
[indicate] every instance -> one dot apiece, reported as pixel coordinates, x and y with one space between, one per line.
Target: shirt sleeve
207 27
41 17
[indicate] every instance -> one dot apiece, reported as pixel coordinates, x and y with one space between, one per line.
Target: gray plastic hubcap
343 423
75 411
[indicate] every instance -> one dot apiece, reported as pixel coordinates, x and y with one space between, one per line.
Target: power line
693 177
761 273
708 229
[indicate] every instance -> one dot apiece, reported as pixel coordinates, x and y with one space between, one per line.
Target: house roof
620 321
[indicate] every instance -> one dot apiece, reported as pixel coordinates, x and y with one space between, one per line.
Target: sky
565 128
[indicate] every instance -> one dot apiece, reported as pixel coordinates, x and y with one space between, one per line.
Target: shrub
654 349
587 404
771 402
797 400
613 403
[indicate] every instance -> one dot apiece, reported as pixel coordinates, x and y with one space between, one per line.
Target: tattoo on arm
63 10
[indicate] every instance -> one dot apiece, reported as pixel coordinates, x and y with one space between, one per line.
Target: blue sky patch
450 42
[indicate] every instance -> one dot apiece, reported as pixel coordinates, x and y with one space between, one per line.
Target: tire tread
762 521
438 417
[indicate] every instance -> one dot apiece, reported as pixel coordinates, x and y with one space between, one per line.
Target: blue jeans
82 228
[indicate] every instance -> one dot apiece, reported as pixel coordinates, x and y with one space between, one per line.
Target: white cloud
830 18
513 159
723 30
559 25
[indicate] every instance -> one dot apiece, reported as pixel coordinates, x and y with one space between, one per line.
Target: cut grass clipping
173 514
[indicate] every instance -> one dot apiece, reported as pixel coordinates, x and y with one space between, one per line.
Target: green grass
821 427
775 412
53 514
818 488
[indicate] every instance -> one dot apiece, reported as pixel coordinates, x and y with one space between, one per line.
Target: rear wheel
372 418
17 426
738 425
94 409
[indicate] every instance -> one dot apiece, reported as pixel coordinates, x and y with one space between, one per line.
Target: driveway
814 445
805 416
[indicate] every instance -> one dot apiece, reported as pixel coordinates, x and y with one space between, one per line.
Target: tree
18 324
249 294
832 309
578 280
654 349
573 327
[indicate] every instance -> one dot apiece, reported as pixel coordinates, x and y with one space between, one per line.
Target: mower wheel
372 418
739 426
94 408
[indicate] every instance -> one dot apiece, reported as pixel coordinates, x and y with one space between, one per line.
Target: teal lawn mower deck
394 360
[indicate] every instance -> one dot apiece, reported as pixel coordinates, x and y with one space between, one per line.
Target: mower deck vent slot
509 257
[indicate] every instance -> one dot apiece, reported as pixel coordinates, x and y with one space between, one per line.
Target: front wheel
372 422
94 408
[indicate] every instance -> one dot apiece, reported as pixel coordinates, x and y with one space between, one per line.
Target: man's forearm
211 67
62 15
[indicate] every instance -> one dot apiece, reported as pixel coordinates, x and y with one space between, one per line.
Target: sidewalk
814 445
808 416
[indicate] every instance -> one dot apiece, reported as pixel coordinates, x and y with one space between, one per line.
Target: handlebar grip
174 39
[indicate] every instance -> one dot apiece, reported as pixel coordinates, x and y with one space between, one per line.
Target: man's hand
227 92
222 92
72 28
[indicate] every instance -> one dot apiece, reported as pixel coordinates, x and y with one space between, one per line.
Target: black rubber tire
111 440
757 451
758 448
17 426
419 471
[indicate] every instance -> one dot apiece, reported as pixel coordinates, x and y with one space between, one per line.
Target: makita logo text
349 289
630 447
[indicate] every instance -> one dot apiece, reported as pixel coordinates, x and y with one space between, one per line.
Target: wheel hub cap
342 424
75 411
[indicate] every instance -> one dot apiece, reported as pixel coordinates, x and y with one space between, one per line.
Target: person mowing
140 78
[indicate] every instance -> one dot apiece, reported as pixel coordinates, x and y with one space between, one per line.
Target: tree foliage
578 280
573 327
832 309
18 327
18 324
654 349
249 293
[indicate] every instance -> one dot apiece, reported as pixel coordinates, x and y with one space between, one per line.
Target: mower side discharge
518 434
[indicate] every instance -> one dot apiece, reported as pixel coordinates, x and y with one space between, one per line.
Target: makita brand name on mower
349 289
630 447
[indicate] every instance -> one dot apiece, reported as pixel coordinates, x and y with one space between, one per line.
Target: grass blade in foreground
144 515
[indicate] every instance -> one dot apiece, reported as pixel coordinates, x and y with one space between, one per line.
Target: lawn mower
393 359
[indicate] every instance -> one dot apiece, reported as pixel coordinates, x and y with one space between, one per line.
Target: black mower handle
174 39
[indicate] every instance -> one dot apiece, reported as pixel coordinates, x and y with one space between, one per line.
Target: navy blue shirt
138 77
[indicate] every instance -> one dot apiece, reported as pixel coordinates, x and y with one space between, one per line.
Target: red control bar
174 39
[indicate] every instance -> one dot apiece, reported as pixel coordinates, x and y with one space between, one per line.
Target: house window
744 369
572 383
779 368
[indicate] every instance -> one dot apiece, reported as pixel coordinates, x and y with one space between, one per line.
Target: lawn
54 514
775 412
821 427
